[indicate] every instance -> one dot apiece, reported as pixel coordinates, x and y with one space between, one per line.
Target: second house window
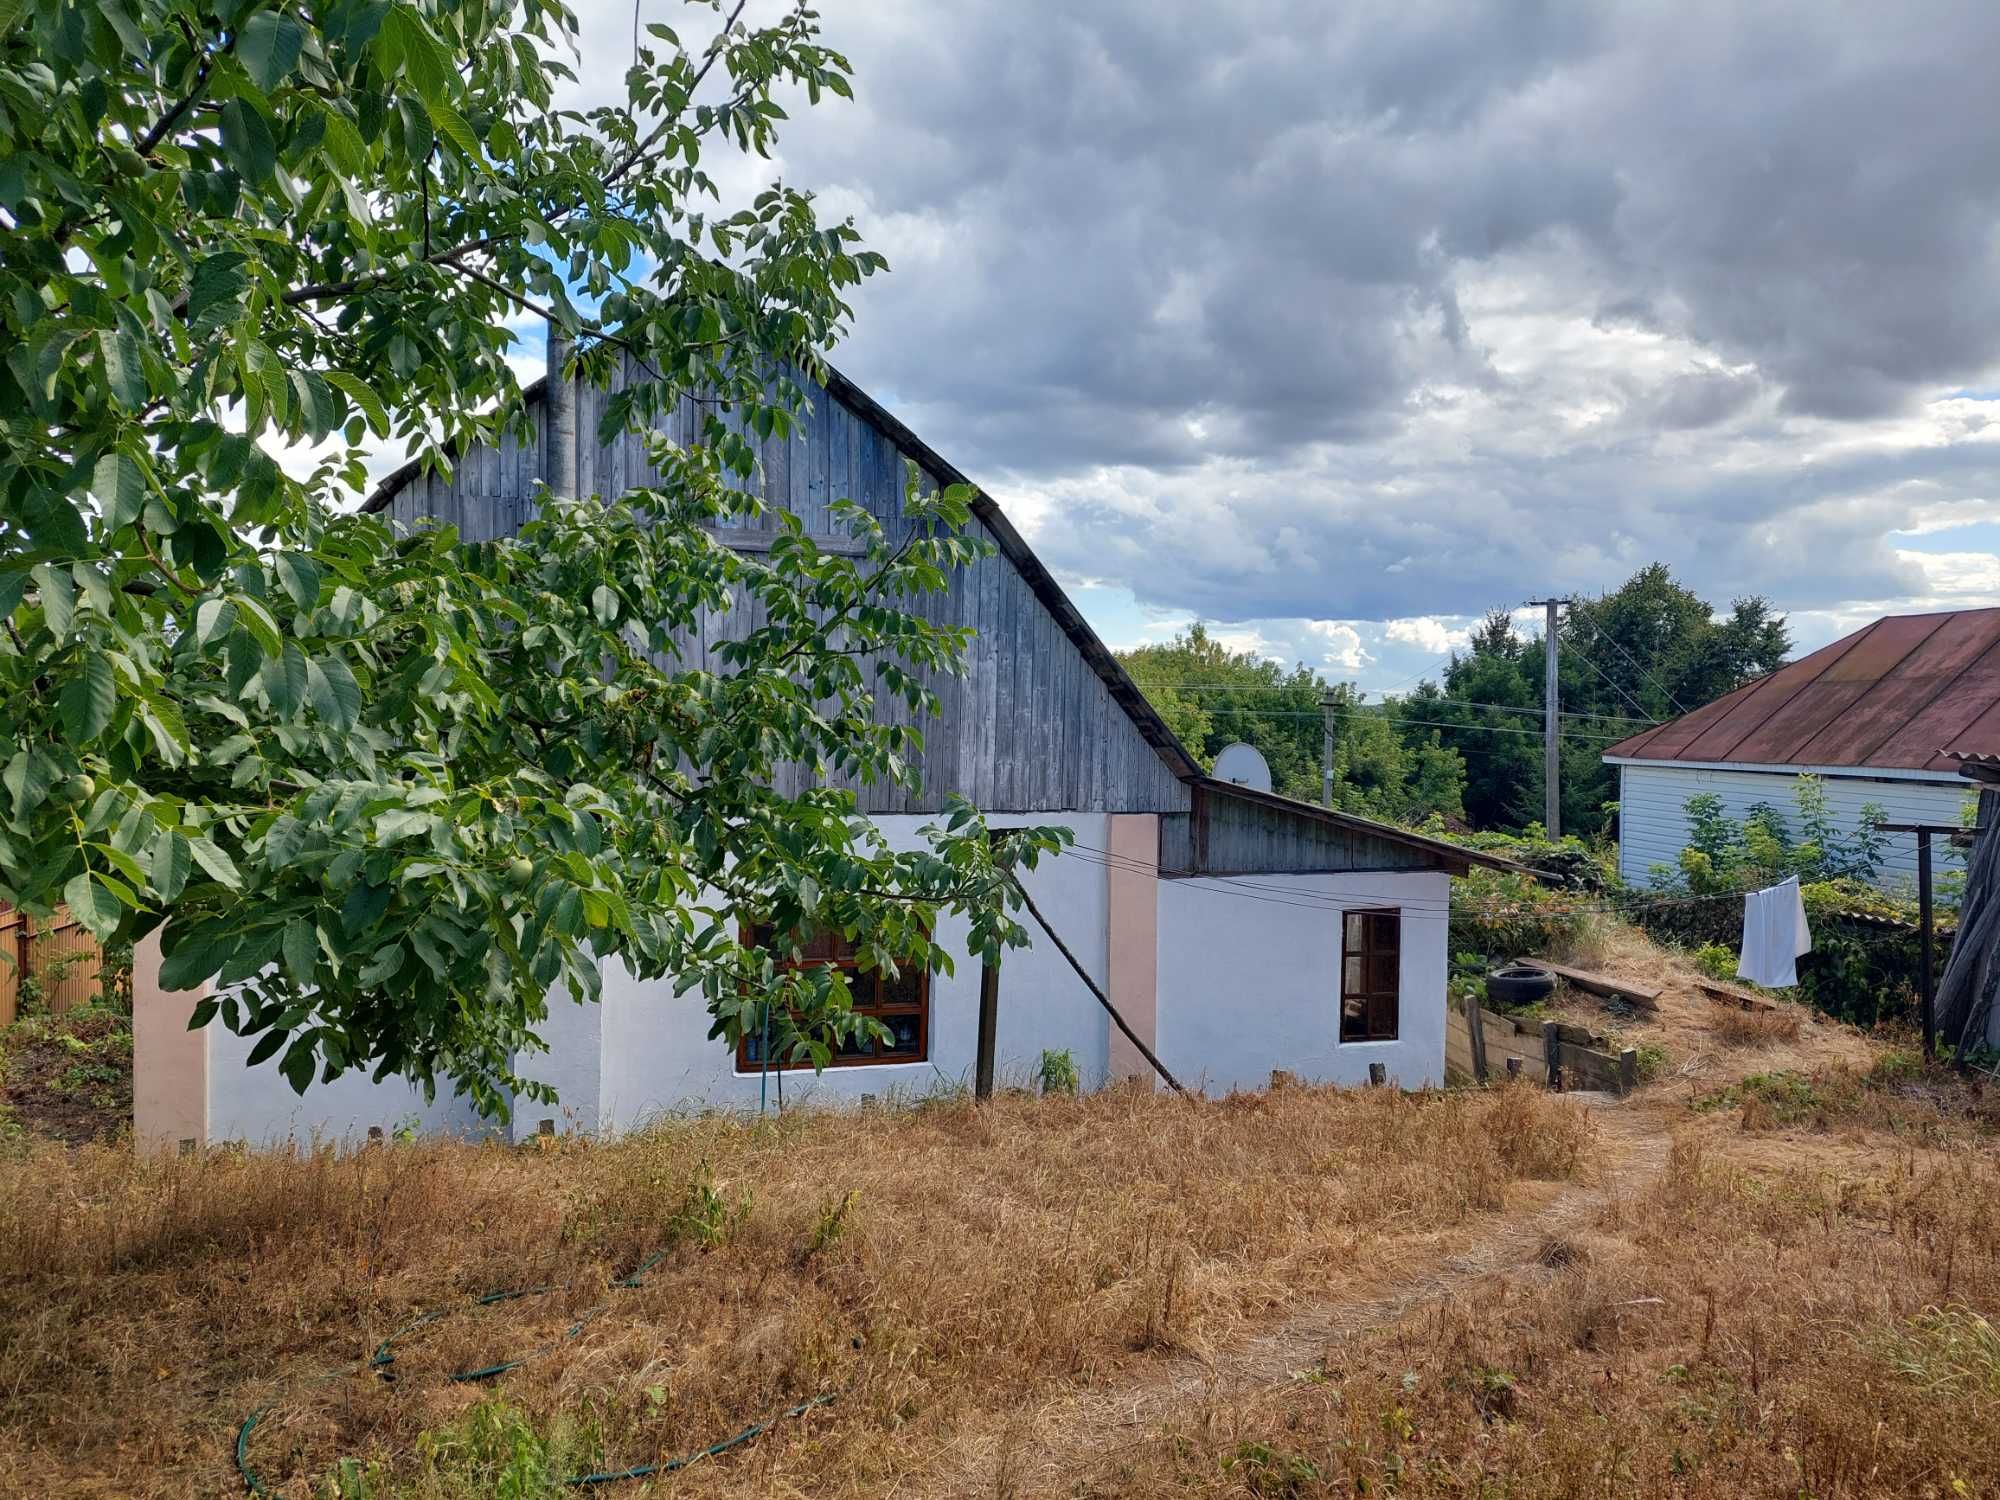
1371 965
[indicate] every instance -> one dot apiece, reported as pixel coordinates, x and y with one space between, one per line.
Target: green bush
1501 915
1717 960
1058 1072
1573 863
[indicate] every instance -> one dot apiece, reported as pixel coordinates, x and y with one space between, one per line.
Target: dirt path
1035 1452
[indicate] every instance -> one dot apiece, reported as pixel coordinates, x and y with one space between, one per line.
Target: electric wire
1352 900
1643 671
1579 654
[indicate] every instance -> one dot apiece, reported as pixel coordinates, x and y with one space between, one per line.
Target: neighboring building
1878 716
1238 931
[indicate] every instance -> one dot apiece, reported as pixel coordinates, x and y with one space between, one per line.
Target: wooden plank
1527 1052
1587 1068
1724 994
1458 1051
1477 1034
1646 997
1498 1022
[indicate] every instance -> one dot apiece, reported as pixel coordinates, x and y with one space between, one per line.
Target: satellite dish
1243 765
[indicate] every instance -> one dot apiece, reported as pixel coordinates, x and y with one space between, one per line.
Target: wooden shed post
1476 1034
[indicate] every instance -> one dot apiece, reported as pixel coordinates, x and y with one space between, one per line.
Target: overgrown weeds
147 1305
1789 1330
1755 1027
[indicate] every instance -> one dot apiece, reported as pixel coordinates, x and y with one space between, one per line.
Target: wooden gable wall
1031 727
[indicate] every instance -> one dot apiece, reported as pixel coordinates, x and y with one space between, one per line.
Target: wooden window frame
868 990
1374 998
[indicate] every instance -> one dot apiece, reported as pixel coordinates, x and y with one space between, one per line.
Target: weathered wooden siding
1029 727
1225 835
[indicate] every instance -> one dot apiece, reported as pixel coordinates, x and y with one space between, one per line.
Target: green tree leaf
91 902
301 578
88 700
214 861
171 860
268 47
247 141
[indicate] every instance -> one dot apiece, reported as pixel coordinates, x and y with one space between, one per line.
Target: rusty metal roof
1910 693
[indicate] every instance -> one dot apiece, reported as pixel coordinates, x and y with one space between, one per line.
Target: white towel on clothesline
1775 935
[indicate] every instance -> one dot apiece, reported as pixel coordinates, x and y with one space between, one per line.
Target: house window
1371 964
902 1004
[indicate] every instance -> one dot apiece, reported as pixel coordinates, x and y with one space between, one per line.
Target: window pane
1353 932
1382 927
1382 973
906 989
1353 1020
826 945
904 1032
1382 1017
1352 980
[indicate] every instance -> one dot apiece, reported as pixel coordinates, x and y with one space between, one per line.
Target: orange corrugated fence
56 959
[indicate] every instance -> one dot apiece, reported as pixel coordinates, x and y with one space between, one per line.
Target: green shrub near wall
1501 915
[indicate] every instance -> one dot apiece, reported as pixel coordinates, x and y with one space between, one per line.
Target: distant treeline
1466 744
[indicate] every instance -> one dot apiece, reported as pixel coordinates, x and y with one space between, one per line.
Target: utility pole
559 456
1328 702
1551 722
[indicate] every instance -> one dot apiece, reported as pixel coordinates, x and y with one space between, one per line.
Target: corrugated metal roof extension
1905 693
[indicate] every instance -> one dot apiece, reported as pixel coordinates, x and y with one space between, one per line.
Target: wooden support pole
989 1026
1927 939
1091 984
1476 1032
1928 988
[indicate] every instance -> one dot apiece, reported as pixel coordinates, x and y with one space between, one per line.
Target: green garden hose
667 1466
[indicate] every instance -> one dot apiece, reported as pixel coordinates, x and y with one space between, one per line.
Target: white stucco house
1239 932
1878 717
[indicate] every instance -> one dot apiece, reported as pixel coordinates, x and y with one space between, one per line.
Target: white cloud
1340 645
1401 312
1429 633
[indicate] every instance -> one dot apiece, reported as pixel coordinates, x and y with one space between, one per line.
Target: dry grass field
1767 1274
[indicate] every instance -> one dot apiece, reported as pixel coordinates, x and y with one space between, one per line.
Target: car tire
1519 984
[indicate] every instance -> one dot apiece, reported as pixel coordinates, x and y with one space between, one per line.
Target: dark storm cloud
1280 309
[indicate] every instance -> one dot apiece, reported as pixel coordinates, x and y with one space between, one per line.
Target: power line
1417 908
1581 655
1600 739
1389 699
1643 671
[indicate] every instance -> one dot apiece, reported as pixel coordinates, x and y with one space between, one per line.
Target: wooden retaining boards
1485 1044
1645 997
1586 1068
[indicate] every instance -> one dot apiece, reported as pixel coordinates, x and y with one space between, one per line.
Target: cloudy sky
1337 325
